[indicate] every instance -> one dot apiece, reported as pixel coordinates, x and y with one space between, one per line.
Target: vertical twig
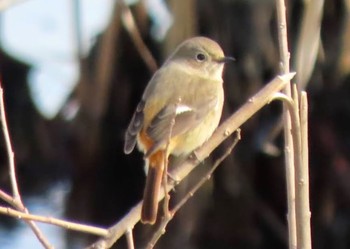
300 142
16 201
130 239
284 64
298 181
165 180
304 235
10 154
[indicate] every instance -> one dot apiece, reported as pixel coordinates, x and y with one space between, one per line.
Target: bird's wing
175 119
134 128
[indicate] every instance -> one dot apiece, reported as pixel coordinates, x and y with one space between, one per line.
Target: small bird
179 110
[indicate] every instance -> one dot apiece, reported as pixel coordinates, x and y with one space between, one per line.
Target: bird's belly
185 143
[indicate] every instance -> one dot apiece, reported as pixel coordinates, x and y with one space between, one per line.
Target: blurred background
73 72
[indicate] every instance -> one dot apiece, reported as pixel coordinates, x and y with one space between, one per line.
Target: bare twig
209 173
53 221
160 231
40 236
300 148
130 25
16 201
6 197
282 36
253 105
10 154
130 239
302 175
304 128
307 49
284 64
165 178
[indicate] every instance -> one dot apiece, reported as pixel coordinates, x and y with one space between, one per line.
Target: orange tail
153 184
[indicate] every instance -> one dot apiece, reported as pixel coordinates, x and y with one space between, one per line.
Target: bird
179 110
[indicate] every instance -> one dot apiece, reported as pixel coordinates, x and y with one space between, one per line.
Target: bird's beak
226 59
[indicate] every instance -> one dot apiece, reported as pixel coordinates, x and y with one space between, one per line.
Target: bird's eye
200 57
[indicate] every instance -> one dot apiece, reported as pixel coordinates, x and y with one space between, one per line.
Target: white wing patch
183 108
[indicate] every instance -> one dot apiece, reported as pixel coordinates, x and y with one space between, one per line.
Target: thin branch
285 99
282 36
304 128
19 206
288 151
161 230
53 221
40 236
300 148
130 239
295 131
307 51
6 197
209 174
253 105
302 181
10 154
16 201
129 23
